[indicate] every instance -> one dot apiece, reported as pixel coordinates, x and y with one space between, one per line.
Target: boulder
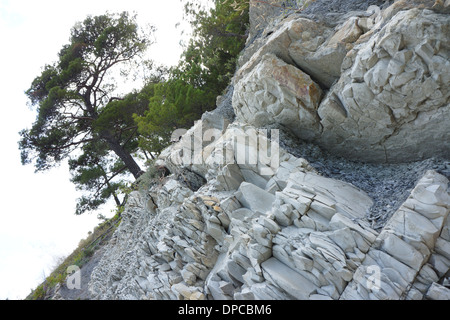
414 227
230 178
438 292
392 98
287 279
352 201
275 91
387 75
320 52
402 251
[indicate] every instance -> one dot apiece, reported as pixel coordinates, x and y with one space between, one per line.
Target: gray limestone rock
388 85
438 292
255 198
287 279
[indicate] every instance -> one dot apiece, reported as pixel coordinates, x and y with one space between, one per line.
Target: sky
37 221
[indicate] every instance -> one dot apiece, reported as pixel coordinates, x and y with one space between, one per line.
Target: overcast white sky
37 221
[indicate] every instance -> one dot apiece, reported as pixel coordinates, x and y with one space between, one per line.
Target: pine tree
207 66
77 110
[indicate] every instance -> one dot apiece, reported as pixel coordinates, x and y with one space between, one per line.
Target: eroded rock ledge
290 235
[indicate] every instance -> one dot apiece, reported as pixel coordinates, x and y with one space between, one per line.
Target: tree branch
73 144
131 136
108 180
228 34
72 116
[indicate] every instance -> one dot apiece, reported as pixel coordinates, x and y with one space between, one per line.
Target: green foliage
206 68
96 171
39 293
73 94
174 104
218 37
77 109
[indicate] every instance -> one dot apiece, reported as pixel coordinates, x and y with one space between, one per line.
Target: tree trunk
124 155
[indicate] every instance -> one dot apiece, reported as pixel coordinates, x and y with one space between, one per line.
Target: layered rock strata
285 232
384 74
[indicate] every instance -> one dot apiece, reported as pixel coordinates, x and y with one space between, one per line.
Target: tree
219 35
77 108
96 171
172 104
206 68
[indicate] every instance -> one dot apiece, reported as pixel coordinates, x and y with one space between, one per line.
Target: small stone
401 251
255 198
188 277
235 270
271 225
197 296
242 214
289 280
227 288
438 292
209 203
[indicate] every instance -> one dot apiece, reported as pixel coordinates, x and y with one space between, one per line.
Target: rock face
393 95
402 254
298 236
277 91
262 223
385 76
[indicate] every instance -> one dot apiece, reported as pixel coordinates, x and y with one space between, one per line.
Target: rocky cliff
322 174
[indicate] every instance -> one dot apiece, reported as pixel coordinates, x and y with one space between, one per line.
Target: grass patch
79 257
